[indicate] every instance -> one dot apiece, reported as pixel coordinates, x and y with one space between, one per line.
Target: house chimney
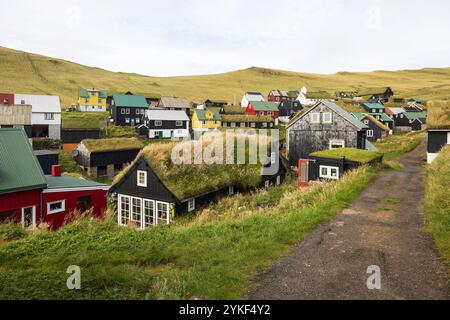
56 171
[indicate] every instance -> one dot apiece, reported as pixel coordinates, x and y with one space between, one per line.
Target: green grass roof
372 91
358 155
438 115
112 144
383 116
130 101
361 116
264 106
245 118
84 120
19 168
192 180
234 110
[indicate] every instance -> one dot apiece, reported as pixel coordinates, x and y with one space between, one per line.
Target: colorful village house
377 130
165 124
324 126
150 192
438 129
278 96
106 157
128 109
29 197
263 108
287 109
16 116
206 120
46 114
410 121
92 100
247 121
251 96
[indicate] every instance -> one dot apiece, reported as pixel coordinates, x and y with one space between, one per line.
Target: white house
46 114
307 98
165 124
251 96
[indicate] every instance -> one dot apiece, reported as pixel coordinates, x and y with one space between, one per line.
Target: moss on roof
245 118
192 180
358 155
112 144
438 115
234 110
318 95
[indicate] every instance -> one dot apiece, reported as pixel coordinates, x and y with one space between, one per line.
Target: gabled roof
394 110
254 96
383 116
201 114
84 93
39 103
264 106
416 115
130 101
338 110
361 116
173 102
373 105
164 114
233 110
19 168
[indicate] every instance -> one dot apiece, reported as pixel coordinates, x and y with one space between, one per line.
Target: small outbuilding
47 159
438 128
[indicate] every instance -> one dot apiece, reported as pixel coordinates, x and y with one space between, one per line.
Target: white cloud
173 37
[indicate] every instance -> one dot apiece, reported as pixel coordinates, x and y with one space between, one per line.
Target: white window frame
328 175
191 205
369 133
168 211
231 190
127 111
143 184
132 213
63 207
33 216
122 111
337 141
315 117
327 114
267 184
278 180
127 120
49 116
158 123
366 121
252 125
448 137
154 214
119 209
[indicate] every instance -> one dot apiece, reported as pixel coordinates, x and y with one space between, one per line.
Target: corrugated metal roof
130 101
264 106
373 105
19 168
39 103
70 182
172 102
165 114
201 114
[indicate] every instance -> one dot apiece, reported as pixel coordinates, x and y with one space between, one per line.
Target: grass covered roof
112 144
438 115
186 180
245 118
234 110
358 155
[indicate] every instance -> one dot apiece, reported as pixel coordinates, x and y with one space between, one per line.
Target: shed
47 159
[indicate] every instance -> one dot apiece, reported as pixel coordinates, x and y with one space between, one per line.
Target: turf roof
358 155
438 115
112 144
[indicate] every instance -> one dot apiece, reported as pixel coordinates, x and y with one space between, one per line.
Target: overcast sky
181 37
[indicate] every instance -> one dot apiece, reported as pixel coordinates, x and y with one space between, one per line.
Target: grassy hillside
30 73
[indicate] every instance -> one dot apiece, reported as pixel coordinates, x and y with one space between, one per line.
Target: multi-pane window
136 211
163 212
369 133
191 205
124 210
179 123
328 172
335 144
158 123
122 111
49 116
149 213
142 178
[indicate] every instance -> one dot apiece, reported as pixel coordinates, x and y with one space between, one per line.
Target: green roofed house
128 109
373 107
29 198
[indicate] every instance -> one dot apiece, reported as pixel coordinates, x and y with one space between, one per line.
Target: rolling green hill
30 73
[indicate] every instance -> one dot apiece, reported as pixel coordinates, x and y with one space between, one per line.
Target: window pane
162 213
136 211
149 213
125 210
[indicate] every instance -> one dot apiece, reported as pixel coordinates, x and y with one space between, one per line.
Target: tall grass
437 201
214 256
399 144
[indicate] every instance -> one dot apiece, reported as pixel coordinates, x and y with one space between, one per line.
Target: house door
29 217
160 134
171 134
303 167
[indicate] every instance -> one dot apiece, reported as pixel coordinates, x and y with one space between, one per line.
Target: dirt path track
384 227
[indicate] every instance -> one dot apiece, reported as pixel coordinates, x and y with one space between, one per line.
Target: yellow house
206 120
92 100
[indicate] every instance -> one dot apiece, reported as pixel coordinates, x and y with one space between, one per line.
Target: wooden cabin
153 190
165 124
106 157
377 130
128 109
438 128
287 108
382 94
324 126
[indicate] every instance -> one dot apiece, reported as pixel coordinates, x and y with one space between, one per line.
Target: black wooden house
128 109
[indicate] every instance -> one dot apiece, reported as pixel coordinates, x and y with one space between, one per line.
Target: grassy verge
399 144
214 255
437 202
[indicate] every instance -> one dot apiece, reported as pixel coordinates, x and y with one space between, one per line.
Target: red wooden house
263 108
7 99
29 197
